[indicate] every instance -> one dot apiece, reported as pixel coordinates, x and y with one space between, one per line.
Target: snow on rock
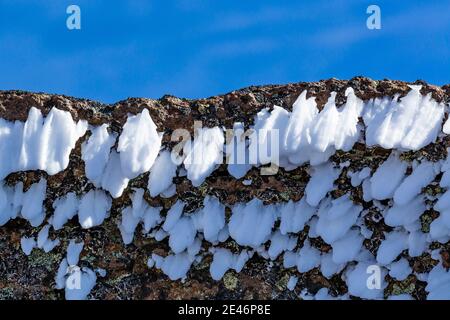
439 230
10 145
440 227
417 243
287 139
223 260
162 174
304 111
10 202
175 266
336 217
94 208
237 152
182 235
328 267
103 165
27 245
364 282
408 123
421 176
66 208
394 243
251 223
266 139
438 283
400 269
204 154
58 137
292 282
138 212
180 228
139 144
33 203
308 258
347 248
405 215
324 127
337 128
210 219
356 178
295 215
347 131
46 144
173 215
43 241
280 243
95 153
77 282
320 183
388 177
113 179
73 252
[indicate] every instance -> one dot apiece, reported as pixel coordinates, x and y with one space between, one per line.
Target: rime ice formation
203 154
138 145
237 152
161 174
77 282
408 123
95 153
93 209
223 260
324 211
39 144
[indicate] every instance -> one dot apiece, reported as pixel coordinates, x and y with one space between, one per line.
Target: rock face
127 274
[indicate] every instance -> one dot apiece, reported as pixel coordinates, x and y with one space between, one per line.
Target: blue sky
193 48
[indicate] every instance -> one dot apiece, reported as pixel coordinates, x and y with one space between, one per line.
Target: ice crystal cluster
305 136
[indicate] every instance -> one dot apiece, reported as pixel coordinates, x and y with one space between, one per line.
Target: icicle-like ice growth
204 154
388 177
114 180
39 144
298 136
95 153
438 283
94 208
359 284
336 217
294 216
267 137
77 282
10 143
394 243
58 137
138 212
237 152
320 183
32 204
139 144
43 241
210 219
324 128
174 266
347 131
223 260
66 208
252 216
162 174
409 123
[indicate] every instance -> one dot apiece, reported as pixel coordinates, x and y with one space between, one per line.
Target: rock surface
128 277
